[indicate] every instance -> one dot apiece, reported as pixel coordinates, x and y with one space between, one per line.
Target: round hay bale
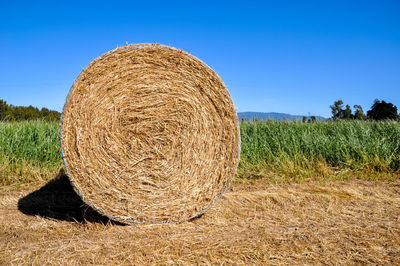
149 134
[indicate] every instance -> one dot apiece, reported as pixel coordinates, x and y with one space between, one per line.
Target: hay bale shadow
57 200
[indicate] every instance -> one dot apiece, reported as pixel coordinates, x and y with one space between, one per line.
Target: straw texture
149 134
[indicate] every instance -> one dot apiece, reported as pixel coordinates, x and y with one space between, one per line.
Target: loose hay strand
149 134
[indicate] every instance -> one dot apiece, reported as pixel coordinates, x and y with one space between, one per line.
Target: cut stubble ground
346 222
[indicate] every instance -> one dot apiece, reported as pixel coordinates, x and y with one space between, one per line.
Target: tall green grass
30 151
321 148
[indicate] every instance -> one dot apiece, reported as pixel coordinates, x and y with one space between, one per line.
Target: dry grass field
255 222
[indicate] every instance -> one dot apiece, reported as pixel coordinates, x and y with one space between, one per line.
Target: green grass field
301 151
30 151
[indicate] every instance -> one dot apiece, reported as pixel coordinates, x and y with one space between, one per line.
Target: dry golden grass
351 222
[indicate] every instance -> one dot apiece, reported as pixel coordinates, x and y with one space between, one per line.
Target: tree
382 110
18 113
346 113
359 112
337 109
313 118
3 110
304 119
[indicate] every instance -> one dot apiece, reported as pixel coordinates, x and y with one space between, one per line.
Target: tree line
20 113
380 110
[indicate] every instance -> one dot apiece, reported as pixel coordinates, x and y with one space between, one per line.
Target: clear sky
295 57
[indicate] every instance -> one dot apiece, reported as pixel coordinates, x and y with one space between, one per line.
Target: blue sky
295 57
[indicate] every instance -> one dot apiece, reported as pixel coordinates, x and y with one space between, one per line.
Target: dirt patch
254 222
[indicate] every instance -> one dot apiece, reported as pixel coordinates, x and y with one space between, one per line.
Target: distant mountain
272 116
